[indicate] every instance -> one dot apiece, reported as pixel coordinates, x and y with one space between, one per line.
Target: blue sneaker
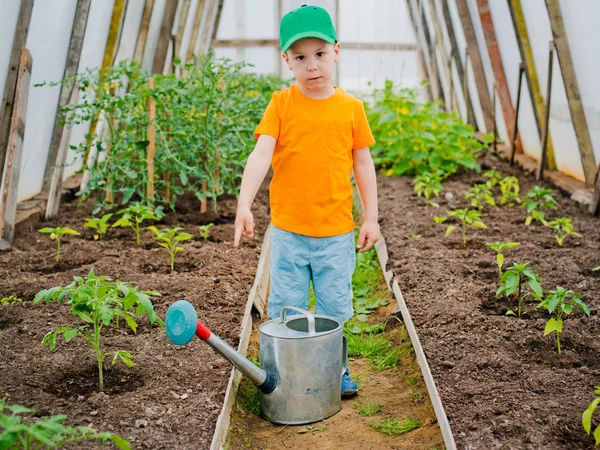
349 387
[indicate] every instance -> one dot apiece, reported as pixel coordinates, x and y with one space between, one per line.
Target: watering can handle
309 317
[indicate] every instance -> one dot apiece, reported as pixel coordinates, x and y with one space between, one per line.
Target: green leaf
70 334
510 312
553 325
120 442
553 303
535 286
362 318
449 230
586 418
582 305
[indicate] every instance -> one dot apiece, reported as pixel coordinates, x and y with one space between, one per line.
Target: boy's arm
257 167
364 173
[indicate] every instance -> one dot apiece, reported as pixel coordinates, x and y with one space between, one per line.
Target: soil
171 398
400 391
501 381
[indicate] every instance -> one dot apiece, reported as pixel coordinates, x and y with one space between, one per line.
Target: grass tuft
396 427
368 408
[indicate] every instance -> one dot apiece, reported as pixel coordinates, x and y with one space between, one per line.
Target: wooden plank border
12 169
8 98
261 281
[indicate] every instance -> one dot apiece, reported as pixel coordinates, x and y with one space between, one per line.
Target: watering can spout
182 325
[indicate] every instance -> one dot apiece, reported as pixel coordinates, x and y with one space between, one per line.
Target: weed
377 349
396 427
56 234
367 408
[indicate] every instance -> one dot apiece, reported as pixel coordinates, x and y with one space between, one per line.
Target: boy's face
312 61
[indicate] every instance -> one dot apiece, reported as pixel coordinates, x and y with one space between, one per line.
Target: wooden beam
164 37
446 64
459 65
508 110
9 188
185 9
113 35
197 23
420 48
475 57
573 95
56 180
66 91
205 26
8 98
533 85
431 51
595 205
539 173
143 33
233 43
216 22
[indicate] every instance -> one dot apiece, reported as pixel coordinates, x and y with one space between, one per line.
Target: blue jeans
328 261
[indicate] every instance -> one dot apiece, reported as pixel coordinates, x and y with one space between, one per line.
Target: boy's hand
369 234
244 225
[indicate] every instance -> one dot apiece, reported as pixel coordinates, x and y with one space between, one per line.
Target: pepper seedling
494 178
537 199
169 238
499 247
509 189
19 432
560 302
10 300
467 217
98 302
480 194
205 231
135 215
428 185
56 234
100 224
563 227
514 280
586 418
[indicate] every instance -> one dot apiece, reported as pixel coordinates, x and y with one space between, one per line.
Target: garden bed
173 396
501 381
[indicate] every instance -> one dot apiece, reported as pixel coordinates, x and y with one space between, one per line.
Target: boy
313 134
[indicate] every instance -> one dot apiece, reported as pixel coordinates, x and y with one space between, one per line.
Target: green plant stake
134 215
169 238
428 185
509 188
514 281
563 227
467 217
535 201
205 231
586 418
98 302
499 247
560 303
100 224
57 234
10 300
494 178
480 194
18 432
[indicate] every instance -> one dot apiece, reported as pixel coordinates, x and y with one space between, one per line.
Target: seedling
467 217
11 300
396 427
586 418
596 269
98 302
56 234
135 215
499 247
514 282
563 227
509 187
428 185
18 432
98 224
494 178
480 194
560 303
205 231
367 408
169 238
535 201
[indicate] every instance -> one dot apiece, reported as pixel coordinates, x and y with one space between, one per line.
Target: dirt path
501 381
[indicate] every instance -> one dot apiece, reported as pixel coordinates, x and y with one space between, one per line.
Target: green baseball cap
304 22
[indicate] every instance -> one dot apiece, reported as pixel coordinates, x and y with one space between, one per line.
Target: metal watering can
302 359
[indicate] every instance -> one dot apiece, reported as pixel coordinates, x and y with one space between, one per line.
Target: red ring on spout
201 331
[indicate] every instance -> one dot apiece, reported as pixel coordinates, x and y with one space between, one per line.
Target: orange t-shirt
311 192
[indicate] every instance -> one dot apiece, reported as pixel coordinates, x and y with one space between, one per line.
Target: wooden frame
573 95
12 170
143 32
66 91
8 98
164 37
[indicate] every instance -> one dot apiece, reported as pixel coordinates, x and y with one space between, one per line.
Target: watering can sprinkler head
182 325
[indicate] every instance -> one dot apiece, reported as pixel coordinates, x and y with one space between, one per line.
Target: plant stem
558 341
137 232
58 248
519 297
464 233
172 262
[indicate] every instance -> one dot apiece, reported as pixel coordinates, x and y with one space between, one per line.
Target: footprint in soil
85 382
